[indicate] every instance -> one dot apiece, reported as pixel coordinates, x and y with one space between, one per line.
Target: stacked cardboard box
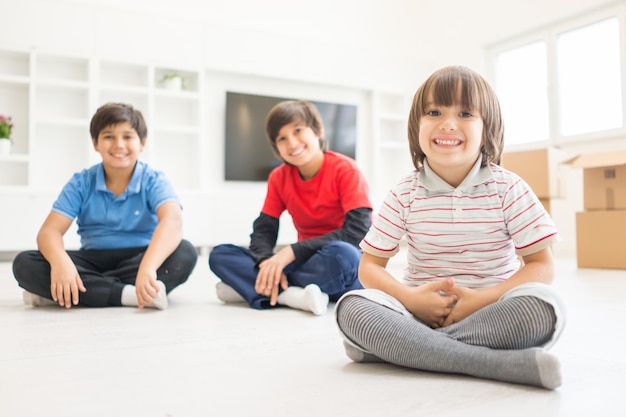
601 228
542 169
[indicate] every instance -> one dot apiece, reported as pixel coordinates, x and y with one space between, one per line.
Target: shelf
52 97
393 131
14 64
394 103
137 98
13 172
397 163
14 157
53 68
14 79
59 102
169 129
63 121
123 76
62 84
62 150
14 102
175 110
119 88
390 124
177 94
190 80
176 151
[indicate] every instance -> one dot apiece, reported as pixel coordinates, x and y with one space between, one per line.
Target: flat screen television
248 156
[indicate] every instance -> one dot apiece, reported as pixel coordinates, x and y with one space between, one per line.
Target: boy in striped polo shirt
465 304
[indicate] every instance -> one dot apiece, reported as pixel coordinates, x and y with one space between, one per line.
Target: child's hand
433 302
65 283
468 302
271 276
146 287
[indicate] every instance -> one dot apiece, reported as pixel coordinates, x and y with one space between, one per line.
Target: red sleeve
274 204
353 187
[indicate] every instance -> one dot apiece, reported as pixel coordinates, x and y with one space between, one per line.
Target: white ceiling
426 31
481 20
489 21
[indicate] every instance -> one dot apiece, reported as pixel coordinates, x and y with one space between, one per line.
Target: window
588 74
562 83
521 87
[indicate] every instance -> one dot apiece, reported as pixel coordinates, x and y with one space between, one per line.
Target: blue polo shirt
107 222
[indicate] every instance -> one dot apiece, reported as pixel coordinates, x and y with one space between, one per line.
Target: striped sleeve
389 224
531 228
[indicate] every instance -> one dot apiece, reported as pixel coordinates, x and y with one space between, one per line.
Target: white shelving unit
15 102
51 98
177 128
60 110
391 147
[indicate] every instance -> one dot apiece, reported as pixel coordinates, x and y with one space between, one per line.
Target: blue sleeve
70 199
159 190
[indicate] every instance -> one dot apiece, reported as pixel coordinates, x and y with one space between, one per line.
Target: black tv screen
248 156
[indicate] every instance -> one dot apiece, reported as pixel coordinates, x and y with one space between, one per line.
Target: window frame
549 35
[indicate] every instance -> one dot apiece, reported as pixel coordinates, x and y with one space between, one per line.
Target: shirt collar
134 186
477 175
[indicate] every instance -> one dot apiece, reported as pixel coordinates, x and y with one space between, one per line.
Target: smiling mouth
447 142
297 152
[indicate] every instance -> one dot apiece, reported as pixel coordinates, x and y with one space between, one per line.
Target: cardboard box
604 179
541 168
600 239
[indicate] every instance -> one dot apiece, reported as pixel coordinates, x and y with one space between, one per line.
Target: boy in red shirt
328 200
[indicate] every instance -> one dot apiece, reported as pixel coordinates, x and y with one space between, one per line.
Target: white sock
35 300
309 298
160 301
129 297
226 293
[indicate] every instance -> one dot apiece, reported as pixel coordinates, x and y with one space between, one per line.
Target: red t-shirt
317 206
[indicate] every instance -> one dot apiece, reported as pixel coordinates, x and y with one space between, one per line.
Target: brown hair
114 113
291 111
476 94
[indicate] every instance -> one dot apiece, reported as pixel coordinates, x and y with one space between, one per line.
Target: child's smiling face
299 146
119 145
451 138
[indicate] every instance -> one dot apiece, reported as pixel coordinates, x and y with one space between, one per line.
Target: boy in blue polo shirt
130 224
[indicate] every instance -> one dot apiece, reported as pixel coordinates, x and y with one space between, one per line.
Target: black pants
104 272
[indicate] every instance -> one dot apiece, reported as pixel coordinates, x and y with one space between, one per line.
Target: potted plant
5 134
173 81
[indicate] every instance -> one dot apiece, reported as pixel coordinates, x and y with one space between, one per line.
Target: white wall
329 42
329 49
249 46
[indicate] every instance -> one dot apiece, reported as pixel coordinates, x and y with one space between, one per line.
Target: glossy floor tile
203 358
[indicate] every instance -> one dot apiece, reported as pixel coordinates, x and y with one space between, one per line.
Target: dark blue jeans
333 268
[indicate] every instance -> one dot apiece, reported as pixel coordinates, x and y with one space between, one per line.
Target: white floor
204 358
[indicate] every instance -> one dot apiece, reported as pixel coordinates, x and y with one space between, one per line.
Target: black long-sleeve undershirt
265 234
